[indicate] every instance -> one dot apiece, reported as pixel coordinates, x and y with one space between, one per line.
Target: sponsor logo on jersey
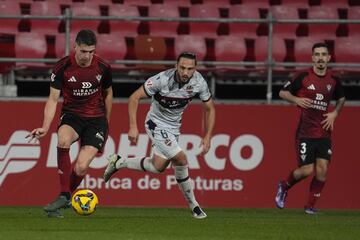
319 96
167 142
18 155
72 79
311 87
86 85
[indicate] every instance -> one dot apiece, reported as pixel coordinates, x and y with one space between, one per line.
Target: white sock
140 164
183 179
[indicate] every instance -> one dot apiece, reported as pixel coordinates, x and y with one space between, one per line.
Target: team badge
168 142
98 77
328 87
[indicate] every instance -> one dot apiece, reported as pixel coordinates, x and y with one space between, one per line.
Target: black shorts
91 131
309 149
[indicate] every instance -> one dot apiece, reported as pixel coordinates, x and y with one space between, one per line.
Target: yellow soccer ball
84 202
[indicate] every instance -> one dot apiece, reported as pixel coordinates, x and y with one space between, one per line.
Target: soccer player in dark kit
85 81
312 91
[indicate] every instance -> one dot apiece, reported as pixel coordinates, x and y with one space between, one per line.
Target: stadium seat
88 9
128 28
7 49
137 2
347 50
323 12
255 3
303 46
45 8
161 28
60 44
296 3
281 12
205 29
190 43
178 3
278 48
354 14
244 29
30 45
230 48
9 26
111 46
150 48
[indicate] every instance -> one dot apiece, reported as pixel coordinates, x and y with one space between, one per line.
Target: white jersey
170 98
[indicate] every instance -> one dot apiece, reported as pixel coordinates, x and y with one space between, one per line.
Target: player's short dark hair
319 45
87 37
188 55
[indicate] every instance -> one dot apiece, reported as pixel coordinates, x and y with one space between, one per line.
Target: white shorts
164 142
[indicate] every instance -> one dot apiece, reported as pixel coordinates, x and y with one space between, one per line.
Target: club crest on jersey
167 142
149 83
328 87
189 89
98 77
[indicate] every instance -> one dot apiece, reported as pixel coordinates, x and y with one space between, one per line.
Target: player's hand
328 122
133 135
36 134
304 102
205 145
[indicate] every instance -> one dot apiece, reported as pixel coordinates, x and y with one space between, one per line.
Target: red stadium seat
354 14
178 3
347 50
190 43
164 29
205 29
230 48
9 26
255 3
323 12
45 8
278 49
111 46
150 48
303 46
281 12
128 28
138 2
296 3
30 45
7 49
60 44
85 9
244 29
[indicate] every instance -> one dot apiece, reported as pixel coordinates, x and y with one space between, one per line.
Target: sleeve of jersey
107 78
204 94
56 79
152 85
339 90
295 85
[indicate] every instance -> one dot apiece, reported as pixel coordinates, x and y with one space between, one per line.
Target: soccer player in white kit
171 91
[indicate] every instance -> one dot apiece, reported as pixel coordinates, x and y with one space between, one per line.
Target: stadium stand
325 30
150 48
9 26
30 45
236 52
111 46
45 8
354 14
347 50
191 43
244 29
205 29
60 44
128 28
158 28
280 12
88 9
303 47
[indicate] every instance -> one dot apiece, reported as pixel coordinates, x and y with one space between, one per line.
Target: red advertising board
252 148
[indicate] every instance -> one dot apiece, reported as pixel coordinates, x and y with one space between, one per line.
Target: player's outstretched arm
209 108
49 113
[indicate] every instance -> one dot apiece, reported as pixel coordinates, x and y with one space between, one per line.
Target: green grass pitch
177 223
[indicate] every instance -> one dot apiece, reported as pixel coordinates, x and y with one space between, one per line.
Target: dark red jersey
321 90
82 87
